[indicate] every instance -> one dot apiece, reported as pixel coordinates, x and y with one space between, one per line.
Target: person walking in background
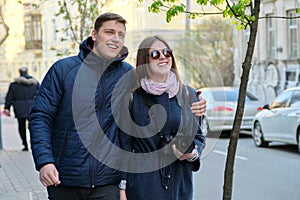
20 95
158 82
66 166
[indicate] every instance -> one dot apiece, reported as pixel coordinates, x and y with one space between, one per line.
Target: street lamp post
0 132
187 20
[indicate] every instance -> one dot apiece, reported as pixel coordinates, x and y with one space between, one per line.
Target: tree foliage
244 13
214 41
79 21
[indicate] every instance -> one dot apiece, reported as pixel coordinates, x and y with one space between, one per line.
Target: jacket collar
28 80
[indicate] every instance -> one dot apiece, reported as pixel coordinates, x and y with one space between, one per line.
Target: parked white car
279 121
221 108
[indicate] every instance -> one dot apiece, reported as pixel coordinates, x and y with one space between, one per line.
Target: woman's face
160 61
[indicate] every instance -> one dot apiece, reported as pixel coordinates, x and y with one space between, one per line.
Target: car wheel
204 126
258 136
299 140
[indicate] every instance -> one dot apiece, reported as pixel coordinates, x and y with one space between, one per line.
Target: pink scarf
171 85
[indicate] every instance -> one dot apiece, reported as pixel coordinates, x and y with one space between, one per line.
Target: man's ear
93 34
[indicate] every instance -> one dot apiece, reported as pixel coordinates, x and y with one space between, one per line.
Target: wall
270 76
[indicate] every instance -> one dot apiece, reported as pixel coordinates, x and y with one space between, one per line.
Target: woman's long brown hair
142 59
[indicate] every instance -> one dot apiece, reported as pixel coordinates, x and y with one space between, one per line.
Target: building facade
34 40
276 58
36 37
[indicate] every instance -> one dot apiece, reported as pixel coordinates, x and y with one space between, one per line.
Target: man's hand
6 112
123 195
49 175
199 108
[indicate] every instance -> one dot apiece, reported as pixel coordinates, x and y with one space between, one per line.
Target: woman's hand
181 156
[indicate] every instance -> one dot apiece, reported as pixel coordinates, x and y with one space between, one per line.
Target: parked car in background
279 121
221 108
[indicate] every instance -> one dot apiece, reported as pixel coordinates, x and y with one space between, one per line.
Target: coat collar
26 80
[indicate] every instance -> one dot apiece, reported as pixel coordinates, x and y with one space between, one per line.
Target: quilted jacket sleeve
42 116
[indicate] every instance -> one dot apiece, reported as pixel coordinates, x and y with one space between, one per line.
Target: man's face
109 40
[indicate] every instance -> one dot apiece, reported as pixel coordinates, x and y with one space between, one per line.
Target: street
260 173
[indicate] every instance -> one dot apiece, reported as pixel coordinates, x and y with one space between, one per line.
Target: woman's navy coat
175 181
54 136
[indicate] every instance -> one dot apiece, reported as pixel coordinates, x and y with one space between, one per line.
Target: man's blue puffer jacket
54 136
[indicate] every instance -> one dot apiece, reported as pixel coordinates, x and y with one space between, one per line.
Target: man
66 166
20 95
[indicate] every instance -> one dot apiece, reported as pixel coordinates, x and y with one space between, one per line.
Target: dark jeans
22 131
107 192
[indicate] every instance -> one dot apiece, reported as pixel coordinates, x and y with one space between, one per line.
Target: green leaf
239 27
252 18
193 15
216 2
173 11
202 2
155 6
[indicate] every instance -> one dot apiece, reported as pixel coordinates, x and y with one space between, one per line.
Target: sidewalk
19 179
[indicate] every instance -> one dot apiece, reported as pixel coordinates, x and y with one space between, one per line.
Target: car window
281 100
295 101
251 97
225 95
206 94
231 96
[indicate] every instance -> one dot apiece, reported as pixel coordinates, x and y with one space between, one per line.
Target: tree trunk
229 169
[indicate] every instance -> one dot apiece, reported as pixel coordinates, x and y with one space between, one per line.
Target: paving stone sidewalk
18 178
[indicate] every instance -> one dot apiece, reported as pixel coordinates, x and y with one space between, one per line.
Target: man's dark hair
107 17
23 70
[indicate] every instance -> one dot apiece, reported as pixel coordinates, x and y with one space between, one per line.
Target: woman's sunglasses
155 54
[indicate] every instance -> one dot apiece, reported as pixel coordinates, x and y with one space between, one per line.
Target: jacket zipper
93 172
63 149
101 103
101 99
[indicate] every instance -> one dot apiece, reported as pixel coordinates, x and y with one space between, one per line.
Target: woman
159 83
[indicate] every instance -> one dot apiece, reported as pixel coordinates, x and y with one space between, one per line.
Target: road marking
225 154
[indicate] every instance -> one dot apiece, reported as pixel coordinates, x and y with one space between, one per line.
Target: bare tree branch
68 18
279 17
5 26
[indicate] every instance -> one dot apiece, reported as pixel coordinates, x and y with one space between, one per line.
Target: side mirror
266 107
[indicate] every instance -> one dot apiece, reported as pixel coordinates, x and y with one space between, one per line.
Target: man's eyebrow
111 29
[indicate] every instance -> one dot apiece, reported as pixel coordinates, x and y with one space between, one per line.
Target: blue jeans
106 192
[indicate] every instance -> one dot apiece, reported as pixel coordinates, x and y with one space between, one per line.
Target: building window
270 38
54 35
292 34
33 31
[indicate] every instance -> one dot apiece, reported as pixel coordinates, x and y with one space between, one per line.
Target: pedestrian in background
20 95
